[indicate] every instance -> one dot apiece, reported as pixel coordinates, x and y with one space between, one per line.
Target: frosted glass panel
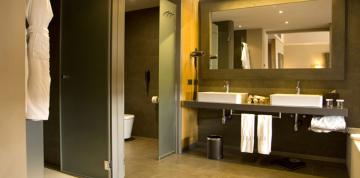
167 54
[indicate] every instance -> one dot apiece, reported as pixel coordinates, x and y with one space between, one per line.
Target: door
167 81
85 88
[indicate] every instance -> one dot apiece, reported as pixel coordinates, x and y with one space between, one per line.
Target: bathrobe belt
37 29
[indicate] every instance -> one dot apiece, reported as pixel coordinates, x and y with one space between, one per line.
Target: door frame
178 75
116 77
117 86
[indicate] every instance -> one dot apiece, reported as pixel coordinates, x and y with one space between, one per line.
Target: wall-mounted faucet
298 89
227 86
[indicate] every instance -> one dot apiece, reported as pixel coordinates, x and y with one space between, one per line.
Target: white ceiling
300 15
131 5
307 38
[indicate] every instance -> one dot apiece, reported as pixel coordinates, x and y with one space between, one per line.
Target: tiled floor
50 173
140 161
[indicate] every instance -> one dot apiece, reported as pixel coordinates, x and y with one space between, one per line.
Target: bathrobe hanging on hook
38 15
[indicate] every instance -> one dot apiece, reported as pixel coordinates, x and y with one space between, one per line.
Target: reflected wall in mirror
283 36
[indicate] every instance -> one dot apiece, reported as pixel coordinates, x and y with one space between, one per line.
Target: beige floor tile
50 173
141 162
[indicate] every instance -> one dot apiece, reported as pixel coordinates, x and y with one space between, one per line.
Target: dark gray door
85 87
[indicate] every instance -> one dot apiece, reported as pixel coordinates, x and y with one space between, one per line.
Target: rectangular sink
222 97
299 100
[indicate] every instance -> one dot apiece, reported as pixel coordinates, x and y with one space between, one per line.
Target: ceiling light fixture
286 22
240 26
280 11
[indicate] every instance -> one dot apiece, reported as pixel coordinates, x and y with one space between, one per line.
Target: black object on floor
130 139
215 147
290 163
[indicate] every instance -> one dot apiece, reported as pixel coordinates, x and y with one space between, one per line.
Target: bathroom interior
254 56
198 69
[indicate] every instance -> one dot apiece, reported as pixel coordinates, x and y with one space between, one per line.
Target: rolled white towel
328 123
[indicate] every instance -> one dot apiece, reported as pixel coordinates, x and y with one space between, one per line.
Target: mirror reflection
283 36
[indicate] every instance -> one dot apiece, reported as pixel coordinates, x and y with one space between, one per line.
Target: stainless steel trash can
214 147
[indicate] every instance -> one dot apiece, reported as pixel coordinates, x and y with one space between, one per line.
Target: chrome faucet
227 86
298 89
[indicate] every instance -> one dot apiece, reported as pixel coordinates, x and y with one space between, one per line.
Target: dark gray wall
52 126
141 54
225 43
284 138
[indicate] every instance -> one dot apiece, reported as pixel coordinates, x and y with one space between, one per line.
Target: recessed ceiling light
240 26
286 22
280 11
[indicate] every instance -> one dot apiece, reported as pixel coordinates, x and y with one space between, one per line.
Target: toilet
128 124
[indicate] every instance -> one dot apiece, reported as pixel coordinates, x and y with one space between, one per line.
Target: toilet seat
128 125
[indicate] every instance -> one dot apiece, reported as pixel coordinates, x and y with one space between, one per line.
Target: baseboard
189 147
52 166
288 154
309 157
166 155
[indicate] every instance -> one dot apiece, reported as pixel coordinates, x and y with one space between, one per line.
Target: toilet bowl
128 124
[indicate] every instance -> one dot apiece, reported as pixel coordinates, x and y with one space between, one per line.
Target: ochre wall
189 41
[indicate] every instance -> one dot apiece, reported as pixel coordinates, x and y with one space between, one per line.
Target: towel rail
258 113
279 116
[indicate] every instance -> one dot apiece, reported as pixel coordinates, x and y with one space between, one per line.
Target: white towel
247 133
264 134
328 123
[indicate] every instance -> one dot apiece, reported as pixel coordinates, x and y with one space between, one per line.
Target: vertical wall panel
12 89
189 41
52 126
85 39
167 82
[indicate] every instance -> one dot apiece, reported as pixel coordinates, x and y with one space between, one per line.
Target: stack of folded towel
327 124
264 133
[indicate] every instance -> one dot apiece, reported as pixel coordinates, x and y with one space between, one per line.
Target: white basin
299 100
222 97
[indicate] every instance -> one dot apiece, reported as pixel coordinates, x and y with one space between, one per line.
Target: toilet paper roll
155 99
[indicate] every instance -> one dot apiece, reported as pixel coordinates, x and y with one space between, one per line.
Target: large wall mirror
288 39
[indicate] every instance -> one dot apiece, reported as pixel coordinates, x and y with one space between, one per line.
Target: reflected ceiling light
280 11
318 66
286 22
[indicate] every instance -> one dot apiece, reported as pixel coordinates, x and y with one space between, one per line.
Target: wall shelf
267 108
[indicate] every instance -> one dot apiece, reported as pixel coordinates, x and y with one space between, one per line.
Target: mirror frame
338 30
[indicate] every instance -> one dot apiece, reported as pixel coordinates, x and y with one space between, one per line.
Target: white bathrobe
38 15
245 56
